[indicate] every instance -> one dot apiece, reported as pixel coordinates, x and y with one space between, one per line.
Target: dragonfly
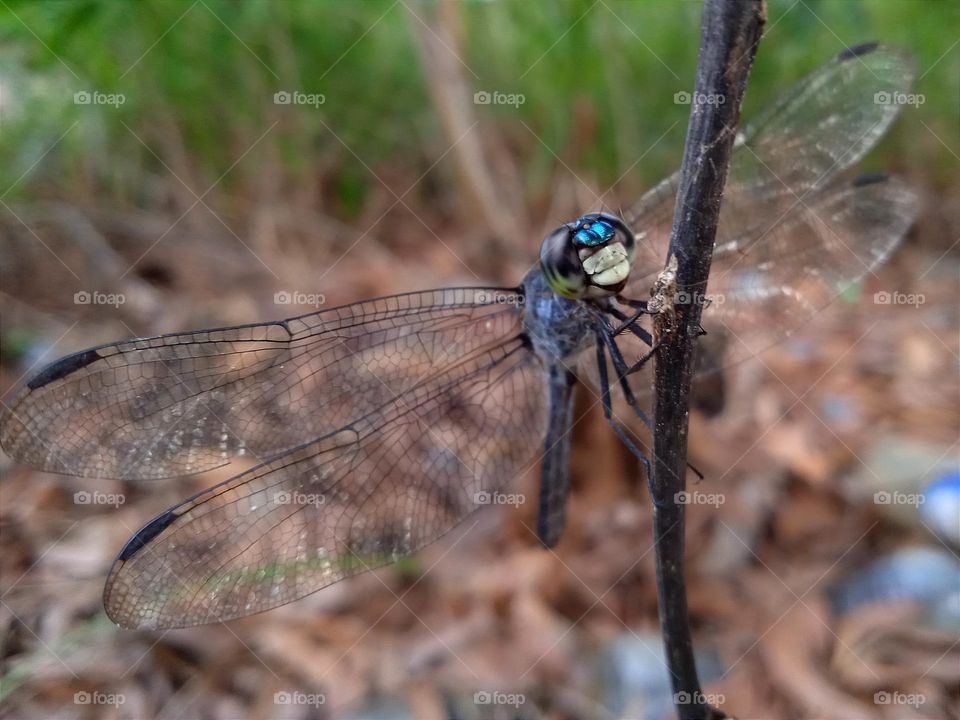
364 432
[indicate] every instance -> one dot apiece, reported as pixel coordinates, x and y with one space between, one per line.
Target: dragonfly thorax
558 328
589 258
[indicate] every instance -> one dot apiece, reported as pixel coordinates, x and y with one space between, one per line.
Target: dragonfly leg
632 303
695 471
642 361
628 322
608 406
606 336
631 326
640 333
620 366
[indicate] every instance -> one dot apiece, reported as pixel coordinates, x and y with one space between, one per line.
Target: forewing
183 403
791 152
378 488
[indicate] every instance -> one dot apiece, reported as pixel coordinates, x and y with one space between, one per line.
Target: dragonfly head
589 258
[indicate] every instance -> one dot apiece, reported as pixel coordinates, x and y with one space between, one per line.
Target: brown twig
730 31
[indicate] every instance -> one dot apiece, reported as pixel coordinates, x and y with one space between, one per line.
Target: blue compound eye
599 229
593 233
604 230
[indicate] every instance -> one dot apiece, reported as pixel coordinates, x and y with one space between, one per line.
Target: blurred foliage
198 80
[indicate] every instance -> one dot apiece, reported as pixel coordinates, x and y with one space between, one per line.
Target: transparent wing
791 235
377 488
827 244
184 403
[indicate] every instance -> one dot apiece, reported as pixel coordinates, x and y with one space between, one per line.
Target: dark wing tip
147 533
857 50
63 367
870 179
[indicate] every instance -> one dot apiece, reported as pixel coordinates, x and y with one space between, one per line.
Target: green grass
598 79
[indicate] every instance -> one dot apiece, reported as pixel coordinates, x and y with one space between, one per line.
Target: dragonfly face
589 258
378 426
